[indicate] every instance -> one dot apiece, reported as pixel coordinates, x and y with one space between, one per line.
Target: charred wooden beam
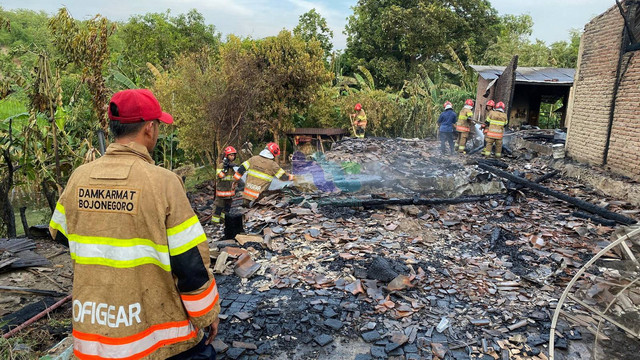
354 202
594 218
546 177
594 209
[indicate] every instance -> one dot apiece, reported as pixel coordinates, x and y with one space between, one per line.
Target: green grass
34 217
201 175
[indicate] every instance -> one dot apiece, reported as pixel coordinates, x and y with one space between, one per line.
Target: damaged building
524 90
604 112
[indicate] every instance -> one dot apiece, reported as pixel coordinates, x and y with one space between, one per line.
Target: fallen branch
354 202
594 209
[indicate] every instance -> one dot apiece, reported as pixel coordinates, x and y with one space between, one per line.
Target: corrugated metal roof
531 75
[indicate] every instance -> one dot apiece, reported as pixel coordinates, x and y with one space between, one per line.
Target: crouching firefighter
226 187
260 169
497 120
142 288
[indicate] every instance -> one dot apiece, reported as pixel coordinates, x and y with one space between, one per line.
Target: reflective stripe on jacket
463 124
224 187
361 119
142 286
260 172
497 121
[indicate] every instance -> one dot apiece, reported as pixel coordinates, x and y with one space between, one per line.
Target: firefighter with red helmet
463 126
497 120
226 187
487 109
261 170
359 121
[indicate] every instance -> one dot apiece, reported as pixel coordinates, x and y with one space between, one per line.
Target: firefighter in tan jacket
261 169
226 186
464 124
142 288
497 120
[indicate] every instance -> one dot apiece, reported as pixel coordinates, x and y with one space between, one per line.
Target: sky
553 19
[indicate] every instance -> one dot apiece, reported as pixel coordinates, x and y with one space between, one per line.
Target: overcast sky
259 18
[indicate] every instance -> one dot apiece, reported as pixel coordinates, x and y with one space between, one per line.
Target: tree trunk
23 217
50 195
6 209
276 139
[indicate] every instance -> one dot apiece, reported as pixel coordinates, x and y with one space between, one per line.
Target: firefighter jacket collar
267 154
130 148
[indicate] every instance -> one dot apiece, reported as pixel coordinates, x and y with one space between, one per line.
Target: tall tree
159 38
391 37
293 73
86 45
514 39
313 26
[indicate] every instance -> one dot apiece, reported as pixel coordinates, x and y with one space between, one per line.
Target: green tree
392 37
292 74
313 26
514 38
85 44
159 38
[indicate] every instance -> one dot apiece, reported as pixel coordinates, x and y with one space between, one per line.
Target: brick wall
593 87
624 147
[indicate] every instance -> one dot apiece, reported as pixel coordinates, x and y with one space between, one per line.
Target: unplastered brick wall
624 147
593 86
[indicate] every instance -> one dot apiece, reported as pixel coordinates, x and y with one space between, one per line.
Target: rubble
386 274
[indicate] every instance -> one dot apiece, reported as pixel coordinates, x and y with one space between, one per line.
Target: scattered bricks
363 357
399 338
242 315
396 352
480 322
235 353
411 349
246 267
265 348
335 324
329 313
378 352
438 350
220 346
243 345
413 357
371 336
391 346
323 339
561 344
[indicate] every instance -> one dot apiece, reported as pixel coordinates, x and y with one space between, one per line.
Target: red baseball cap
135 105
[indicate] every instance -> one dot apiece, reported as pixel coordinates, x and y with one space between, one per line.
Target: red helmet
229 150
358 107
273 148
469 102
491 103
500 106
448 105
